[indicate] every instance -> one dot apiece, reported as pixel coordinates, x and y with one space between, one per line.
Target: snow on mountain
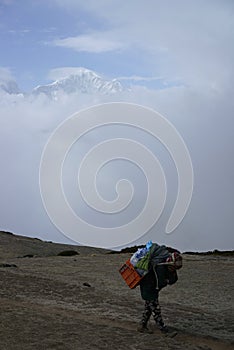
9 87
83 81
9 92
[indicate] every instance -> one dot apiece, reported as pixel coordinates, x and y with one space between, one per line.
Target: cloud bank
203 118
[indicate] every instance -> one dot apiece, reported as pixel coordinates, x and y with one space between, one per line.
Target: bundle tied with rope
159 255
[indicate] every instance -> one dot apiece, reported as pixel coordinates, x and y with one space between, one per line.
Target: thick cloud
204 119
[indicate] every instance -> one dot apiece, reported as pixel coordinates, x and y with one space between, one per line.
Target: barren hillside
81 301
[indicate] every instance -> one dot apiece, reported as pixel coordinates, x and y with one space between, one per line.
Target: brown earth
82 302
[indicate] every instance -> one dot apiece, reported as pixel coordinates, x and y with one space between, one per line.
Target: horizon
127 249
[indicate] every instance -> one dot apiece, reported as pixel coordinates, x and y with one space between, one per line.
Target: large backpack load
146 258
159 255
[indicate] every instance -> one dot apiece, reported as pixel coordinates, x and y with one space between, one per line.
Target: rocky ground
82 302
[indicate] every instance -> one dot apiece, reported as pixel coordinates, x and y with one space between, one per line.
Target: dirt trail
35 326
81 302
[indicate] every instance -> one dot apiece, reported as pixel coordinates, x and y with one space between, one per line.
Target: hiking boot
144 329
164 329
168 332
160 324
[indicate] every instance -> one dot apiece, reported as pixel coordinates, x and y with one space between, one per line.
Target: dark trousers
152 307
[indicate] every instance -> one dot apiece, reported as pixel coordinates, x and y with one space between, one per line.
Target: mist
202 117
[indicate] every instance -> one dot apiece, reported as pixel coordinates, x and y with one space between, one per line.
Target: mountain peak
10 87
82 80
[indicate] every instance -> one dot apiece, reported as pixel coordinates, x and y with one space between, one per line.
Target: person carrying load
158 265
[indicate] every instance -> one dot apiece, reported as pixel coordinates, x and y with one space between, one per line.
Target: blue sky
178 58
27 29
32 42
116 38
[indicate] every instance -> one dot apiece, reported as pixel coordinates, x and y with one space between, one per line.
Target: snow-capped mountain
9 87
83 81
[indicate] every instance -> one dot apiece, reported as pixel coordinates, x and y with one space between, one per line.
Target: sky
175 57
